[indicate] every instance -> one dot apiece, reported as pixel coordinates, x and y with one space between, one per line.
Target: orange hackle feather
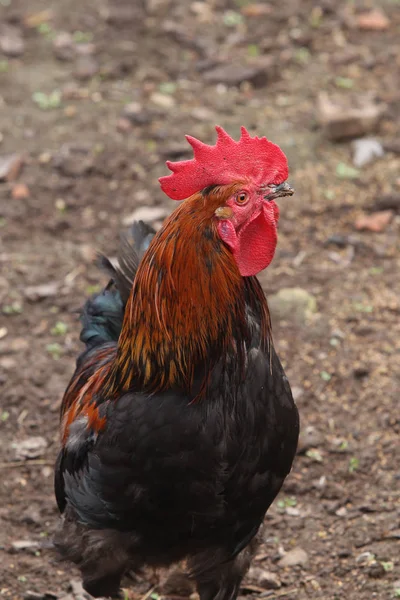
186 304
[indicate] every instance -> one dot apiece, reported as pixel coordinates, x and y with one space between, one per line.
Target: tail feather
102 315
102 318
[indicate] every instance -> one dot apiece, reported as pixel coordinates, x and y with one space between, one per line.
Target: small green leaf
154 596
45 29
167 87
344 171
15 308
232 18
151 145
344 82
316 17
47 101
54 350
302 55
288 501
388 566
3 222
365 308
325 376
22 578
82 37
314 454
93 289
60 328
353 464
397 593
4 66
4 416
99 148
291 501
253 50
375 270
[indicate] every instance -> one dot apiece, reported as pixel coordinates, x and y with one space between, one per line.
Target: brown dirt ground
87 168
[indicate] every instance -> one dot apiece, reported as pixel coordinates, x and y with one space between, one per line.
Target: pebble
201 113
265 579
31 516
8 363
10 167
203 11
145 213
365 558
39 292
365 151
64 47
163 100
15 345
292 304
31 447
347 116
24 545
134 112
73 161
233 74
297 392
11 42
294 557
309 437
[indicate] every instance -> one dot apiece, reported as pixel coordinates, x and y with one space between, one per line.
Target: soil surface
94 97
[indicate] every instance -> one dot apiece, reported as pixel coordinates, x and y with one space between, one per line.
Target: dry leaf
36 19
20 191
376 222
375 20
256 9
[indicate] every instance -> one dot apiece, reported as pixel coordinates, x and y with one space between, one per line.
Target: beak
276 191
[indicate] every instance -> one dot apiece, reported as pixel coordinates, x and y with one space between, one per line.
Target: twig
28 463
148 593
280 594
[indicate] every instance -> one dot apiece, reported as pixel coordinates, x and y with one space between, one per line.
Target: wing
144 471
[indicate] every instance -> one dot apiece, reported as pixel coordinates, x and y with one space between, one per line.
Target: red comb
251 158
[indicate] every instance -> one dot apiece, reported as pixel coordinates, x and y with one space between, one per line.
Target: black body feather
170 478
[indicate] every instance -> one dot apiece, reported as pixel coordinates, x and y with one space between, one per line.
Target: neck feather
186 307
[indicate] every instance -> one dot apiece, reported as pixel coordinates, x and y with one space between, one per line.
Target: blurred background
95 95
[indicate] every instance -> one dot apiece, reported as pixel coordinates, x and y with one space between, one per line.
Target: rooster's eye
241 198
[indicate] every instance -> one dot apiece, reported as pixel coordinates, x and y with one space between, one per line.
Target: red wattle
253 247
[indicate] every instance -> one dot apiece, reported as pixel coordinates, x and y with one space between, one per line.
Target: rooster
178 426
